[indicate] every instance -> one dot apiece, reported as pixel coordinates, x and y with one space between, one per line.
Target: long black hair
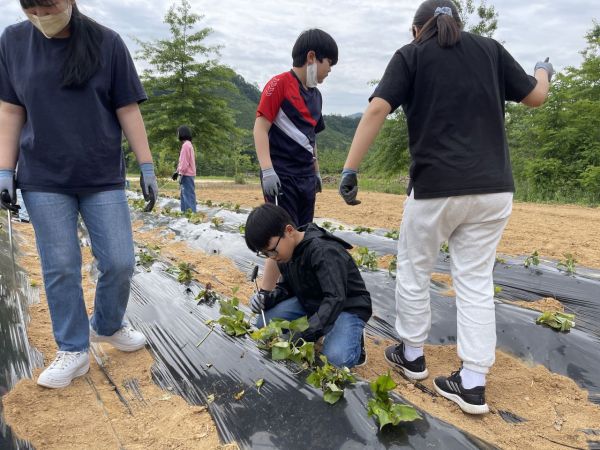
83 53
447 28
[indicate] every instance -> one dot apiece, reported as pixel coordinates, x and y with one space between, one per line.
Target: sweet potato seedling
384 409
331 380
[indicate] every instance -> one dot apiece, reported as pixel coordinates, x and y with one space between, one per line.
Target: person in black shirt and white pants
452 85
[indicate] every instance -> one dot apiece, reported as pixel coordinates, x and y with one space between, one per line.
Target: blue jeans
106 216
187 193
342 345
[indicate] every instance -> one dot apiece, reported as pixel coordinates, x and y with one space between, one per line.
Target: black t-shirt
454 100
71 141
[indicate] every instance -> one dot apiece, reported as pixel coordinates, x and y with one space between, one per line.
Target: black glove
174 176
8 191
349 187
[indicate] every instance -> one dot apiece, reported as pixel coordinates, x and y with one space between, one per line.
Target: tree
389 155
556 148
182 81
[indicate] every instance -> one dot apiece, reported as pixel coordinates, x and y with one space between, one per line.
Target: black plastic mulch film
287 413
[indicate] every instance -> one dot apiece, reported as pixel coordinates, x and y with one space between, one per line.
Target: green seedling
384 409
328 226
296 350
557 320
365 258
360 230
497 289
138 204
33 283
146 258
445 248
207 294
532 260
184 272
259 383
393 266
392 234
341 228
500 260
242 229
195 217
232 320
237 208
166 210
217 222
331 380
239 395
568 265
209 203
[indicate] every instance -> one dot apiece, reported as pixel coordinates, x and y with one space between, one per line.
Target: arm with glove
270 180
12 118
370 124
132 124
543 72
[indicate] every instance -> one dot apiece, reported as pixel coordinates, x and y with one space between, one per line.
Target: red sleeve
271 98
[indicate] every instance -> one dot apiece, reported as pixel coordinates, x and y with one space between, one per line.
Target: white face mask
311 75
52 24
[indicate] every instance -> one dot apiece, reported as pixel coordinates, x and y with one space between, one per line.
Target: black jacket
326 280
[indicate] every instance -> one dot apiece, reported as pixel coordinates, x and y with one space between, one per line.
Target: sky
257 37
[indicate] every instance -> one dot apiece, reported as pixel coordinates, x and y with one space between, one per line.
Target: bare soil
88 414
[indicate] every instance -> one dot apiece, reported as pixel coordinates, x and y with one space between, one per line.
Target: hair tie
442 10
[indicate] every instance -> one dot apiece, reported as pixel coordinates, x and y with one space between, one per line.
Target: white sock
412 353
471 379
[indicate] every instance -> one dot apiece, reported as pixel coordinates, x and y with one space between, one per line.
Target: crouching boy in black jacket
319 279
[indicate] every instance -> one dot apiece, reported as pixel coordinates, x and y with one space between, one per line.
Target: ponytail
438 18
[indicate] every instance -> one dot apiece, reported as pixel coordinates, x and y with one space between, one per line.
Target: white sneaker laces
64 359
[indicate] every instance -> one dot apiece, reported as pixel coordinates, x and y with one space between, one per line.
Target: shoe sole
409 374
466 407
85 369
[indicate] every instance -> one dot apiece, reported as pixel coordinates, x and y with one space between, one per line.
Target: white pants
472 225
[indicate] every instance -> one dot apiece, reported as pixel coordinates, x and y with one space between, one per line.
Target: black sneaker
471 401
363 352
415 370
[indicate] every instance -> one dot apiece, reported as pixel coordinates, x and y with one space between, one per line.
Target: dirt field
89 415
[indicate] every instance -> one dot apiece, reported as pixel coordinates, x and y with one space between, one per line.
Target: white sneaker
125 339
65 367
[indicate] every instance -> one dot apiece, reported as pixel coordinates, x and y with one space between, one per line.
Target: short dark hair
265 222
184 133
318 41
83 57
447 28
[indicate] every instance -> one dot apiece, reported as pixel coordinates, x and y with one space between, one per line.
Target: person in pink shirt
186 170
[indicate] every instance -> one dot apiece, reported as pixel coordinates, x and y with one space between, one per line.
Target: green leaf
298 325
332 397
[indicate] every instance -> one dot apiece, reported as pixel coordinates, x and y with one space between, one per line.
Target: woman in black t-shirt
452 86
68 91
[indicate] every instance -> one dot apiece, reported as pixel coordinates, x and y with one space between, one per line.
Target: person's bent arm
368 127
132 124
12 119
538 95
261 142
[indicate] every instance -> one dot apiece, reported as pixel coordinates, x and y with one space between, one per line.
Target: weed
360 230
331 380
365 258
568 265
533 259
382 407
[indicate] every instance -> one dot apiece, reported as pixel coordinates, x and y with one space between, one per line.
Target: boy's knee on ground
341 357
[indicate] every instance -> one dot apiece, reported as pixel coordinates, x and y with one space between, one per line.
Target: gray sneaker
125 339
